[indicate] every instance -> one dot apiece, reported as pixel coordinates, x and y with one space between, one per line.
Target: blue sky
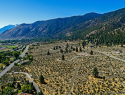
29 11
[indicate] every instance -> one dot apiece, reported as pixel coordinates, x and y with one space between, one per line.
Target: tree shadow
100 77
44 82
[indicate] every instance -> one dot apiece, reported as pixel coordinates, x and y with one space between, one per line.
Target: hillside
47 28
96 27
6 28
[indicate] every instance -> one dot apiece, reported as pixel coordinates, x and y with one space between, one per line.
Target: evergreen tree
83 44
18 86
67 45
71 47
41 79
76 49
53 48
91 52
80 49
70 51
61 51
48 53
66 50
63 58
95 72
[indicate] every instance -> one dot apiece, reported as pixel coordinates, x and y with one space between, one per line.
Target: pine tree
71 47
66 50
53 48
91 52
18 86
41 79
61 51
80 49
95 72
63 58
48 53
76 49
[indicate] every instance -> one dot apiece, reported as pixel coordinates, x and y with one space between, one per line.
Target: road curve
12 64
30 79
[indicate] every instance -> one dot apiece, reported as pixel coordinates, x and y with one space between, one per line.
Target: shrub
103 77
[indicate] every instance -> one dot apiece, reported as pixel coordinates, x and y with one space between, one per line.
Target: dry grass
58 74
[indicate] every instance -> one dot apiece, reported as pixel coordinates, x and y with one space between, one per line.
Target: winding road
12 64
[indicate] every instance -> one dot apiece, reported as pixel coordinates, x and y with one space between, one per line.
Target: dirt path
72 81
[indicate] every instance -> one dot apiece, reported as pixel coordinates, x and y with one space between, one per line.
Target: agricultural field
74 74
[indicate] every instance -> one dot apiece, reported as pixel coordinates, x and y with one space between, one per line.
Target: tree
2 87
67 45
95 72
61 51
41 79
71 47
91 52
76 49
83 44
16 54
40 93
6 62
70 51
53 48
66 50
80 49
63 58
121 44
48 53
26 88
18 86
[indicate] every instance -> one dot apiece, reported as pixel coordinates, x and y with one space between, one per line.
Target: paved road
30 79
12 64
24 52
8 68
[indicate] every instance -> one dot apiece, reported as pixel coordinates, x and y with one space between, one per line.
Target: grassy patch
11 46
21 52
8 46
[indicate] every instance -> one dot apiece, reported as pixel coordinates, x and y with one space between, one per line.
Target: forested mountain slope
47 28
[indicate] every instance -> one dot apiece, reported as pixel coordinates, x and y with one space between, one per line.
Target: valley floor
73 76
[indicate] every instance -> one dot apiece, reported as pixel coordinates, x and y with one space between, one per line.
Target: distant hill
47 28
7 28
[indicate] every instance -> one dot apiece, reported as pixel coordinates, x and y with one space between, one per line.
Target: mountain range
70 27
7 28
